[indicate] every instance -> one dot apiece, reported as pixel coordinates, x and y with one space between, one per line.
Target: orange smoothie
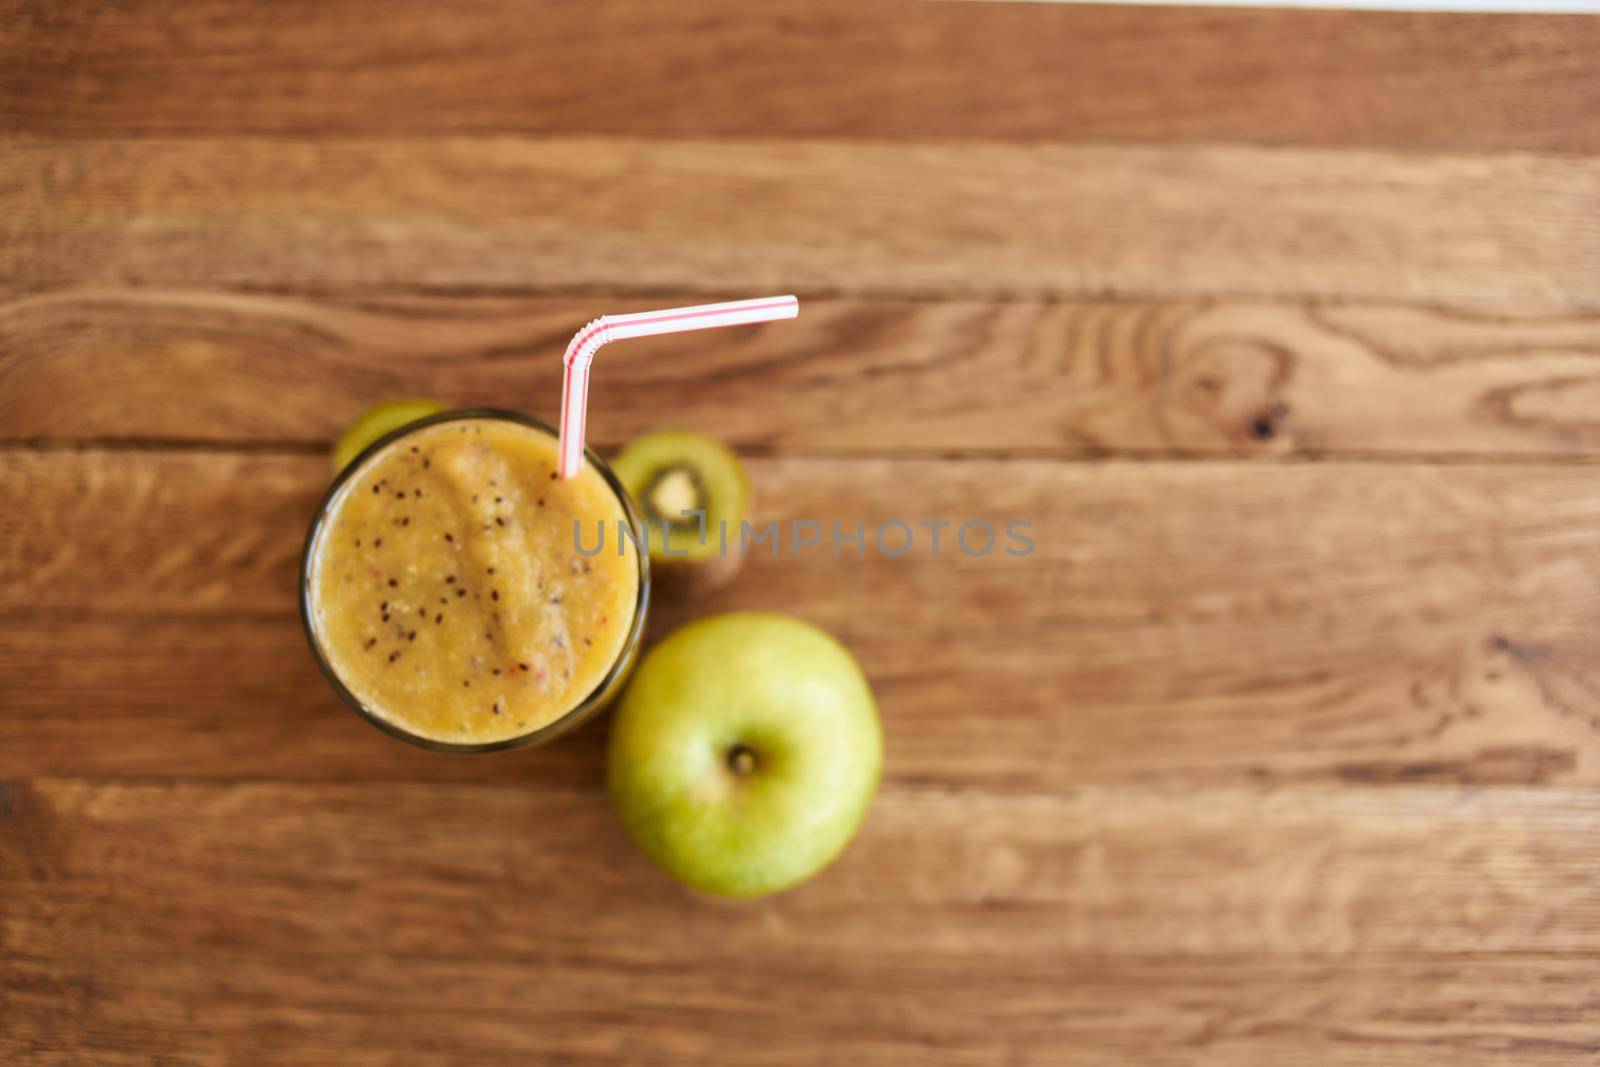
447 594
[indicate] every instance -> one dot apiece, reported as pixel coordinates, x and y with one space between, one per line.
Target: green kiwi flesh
673 475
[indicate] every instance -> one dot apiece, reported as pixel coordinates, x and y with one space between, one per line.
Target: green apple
745 753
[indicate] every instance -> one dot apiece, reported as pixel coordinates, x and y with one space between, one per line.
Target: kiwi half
377 421
674 472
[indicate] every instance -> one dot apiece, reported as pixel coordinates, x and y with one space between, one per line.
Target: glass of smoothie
460 596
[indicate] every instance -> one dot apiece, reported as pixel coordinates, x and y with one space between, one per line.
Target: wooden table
1280 328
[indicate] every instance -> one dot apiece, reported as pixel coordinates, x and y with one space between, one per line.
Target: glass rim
579 712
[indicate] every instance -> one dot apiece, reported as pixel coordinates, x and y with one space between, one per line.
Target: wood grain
526 870
1325 623
1280 329
927 1009
951 219
883 376
719 68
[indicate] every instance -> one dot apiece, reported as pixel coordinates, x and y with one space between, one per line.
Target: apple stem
741 759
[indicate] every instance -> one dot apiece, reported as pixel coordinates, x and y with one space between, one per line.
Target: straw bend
587 341
607 328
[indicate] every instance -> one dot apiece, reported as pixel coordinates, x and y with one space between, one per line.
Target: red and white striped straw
587 341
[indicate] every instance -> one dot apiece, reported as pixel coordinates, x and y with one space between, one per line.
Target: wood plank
947 218
795 1007
1177 622
1080 377
530 870
805 67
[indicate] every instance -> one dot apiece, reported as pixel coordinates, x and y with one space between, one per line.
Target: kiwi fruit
674 472
377 421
